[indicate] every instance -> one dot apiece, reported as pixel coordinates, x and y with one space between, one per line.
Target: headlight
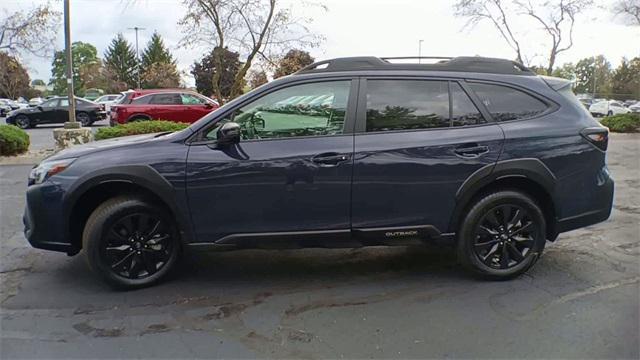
47 169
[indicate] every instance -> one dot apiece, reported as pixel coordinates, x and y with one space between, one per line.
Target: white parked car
635 108
608 107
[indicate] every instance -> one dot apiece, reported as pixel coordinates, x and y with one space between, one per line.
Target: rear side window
407 105
142 100
166 99
463 111
505 103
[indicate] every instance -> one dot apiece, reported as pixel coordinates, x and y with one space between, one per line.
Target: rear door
166 106
417 141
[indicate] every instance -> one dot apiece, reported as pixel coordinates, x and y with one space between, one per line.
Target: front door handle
471 150
330 158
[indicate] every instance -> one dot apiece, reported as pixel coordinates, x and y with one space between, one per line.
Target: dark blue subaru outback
350 152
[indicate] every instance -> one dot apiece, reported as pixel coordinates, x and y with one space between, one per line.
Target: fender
142 175
528 168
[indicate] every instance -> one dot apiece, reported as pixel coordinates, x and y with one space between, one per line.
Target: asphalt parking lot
582 299
42 135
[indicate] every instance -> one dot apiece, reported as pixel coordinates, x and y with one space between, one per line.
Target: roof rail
457 64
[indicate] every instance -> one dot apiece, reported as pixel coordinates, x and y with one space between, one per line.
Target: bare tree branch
629 10
32 31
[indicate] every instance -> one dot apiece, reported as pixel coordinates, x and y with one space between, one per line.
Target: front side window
407 105
166 99
505 103
463 111
317 109
50 103
190 99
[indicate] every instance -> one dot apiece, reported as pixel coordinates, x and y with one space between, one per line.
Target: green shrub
13 140
138 127
622 122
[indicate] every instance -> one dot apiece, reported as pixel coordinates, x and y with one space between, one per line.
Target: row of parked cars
604 107
178 105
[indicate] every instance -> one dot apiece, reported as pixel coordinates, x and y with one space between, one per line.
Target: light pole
420 51
71 124
137 54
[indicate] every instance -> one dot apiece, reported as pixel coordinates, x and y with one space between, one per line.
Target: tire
23 122
138 118
130 243
83 118
610 113
491 252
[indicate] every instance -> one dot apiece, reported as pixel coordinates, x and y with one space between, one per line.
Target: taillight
598 136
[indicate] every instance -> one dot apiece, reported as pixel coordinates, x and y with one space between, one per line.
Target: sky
349 27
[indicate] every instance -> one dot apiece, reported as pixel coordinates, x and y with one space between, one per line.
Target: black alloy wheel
23 122
505 237
137 246
502 234
83 118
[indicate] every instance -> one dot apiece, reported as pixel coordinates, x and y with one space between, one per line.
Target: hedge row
622 122
137 128
13 140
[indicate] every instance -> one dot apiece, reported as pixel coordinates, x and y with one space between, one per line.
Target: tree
293 61
593 75
566 71
155 52
32 31
121 63
161 75
207 69
84 55
257 29
628 10
257 78
625 82
556 18
14 80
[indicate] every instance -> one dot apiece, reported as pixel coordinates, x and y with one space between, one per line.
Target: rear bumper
604 197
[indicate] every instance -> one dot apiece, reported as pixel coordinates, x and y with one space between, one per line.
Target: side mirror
229 133
208 105
39 107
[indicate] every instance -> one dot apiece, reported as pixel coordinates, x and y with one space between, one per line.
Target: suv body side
196 180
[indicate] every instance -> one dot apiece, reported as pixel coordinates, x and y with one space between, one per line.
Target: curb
31 158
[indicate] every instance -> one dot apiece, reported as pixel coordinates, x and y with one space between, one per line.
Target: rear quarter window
506 103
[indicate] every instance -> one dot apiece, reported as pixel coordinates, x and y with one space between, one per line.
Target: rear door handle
471 151
330 158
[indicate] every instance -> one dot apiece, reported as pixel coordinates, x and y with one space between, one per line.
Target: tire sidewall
94 235
23 117
467 233
85 116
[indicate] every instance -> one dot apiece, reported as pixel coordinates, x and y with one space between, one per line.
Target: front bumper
44 222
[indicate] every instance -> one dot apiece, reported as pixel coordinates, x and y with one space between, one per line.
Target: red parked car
161 104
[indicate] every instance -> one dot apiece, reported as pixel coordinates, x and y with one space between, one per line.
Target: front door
48 111
417 141
291 171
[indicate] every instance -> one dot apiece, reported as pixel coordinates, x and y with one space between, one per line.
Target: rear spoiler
556 83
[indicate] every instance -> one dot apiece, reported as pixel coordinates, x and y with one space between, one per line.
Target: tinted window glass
505 103
463 111
190 99
302 110
407 104
64 102
166 99
142 100
50 103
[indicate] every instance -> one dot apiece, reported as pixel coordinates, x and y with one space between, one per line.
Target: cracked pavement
581 300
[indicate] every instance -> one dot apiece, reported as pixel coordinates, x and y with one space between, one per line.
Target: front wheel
23 122
502 236
83 118
130 242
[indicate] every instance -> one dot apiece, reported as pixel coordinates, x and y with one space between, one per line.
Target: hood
101 145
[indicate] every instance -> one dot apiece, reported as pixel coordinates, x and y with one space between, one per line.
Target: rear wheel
502 235
130 243
23 122
610 113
